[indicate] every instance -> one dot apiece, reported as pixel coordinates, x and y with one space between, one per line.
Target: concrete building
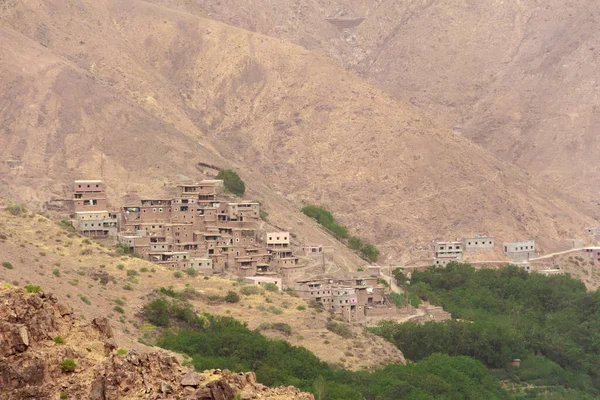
447 252
592 253
478 243
519 251
594 231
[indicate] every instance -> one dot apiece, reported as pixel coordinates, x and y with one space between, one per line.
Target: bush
340 329
16 209
271 287
67 365
354 243
56 272
66 225
63 395
370 251
122 249
177 274
325 218
143 269
121 352
277 326
191 271
232 182
7 265
119 309
250 290
276 310
132 272
121 267
59 340
301 308
232 297
127 287
85 300
119 302
32 289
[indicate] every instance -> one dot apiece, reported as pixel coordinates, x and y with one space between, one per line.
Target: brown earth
38 334
518 77
138 94
78 271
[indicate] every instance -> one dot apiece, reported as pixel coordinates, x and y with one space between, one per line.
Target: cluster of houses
446 252
201 228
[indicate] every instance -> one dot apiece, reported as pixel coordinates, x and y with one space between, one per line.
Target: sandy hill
94 281
517 77
137 94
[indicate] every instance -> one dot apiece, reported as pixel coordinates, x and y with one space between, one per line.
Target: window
160 210
154 210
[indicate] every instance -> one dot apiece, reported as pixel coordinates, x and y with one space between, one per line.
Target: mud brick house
352 295
90 208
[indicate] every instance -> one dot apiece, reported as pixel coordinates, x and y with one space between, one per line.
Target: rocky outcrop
30 361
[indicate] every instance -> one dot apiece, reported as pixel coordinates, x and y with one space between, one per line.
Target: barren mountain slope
158 90
518 77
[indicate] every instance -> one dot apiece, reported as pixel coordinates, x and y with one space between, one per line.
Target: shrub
277 326
67 365
63 395
232 181
119 309
56 272
177 274
232 297
7 265
85 300
325 218
132 272
59 340
370 251
66 225
250 290
120 266
271 287
16 209
276 310
127 287
121 352
119 302
301 308
354 243
32 289
191 271
339 328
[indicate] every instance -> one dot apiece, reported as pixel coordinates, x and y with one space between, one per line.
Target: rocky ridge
31 354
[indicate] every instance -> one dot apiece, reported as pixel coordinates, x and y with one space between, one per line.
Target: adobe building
519 251
478 243
198 229
447 252
592 253
352 295
92 218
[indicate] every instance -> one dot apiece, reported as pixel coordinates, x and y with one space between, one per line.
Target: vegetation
232 297
249 290
16 209
56 272
59 340
270 287
177 274
326 219
232 182
85 299
67 225
32 289
550 323
222 342
119 309
121 352
339 328
7 265
282 327
191 271
67 365
370 251
122 249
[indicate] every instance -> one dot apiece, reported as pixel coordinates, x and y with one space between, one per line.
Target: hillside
138 94
517 77
94 282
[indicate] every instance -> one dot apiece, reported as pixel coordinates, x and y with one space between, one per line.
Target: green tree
232 182
354 243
